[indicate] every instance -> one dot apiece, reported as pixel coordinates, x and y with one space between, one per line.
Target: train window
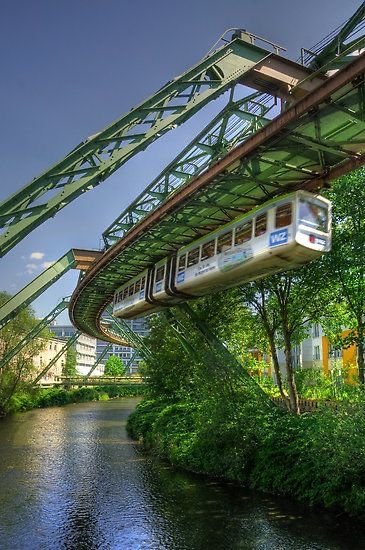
182 262
243 233
160 273
208 250
143 282
313 215
283 215
138 286
131 290
224 242
193 257
260 225
125 293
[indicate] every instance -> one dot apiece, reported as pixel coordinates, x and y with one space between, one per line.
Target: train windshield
313 215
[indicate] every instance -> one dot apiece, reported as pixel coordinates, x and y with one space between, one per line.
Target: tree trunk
276 365
293 394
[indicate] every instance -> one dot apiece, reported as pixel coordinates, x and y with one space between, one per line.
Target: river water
70 478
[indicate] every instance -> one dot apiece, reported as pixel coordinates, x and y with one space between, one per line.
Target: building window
335 353
317 353
316 330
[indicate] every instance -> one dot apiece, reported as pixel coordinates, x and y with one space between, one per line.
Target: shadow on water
71 479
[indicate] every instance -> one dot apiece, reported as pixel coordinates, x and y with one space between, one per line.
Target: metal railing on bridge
94 381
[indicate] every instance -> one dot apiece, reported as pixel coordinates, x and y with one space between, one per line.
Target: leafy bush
318 458
53 397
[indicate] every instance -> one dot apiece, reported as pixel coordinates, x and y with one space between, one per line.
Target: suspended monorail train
282 234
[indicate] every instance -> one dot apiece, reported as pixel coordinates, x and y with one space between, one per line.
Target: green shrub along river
318 458
51 397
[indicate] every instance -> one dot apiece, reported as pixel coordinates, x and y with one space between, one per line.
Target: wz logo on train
278 237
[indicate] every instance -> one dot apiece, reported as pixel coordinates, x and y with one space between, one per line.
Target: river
70 478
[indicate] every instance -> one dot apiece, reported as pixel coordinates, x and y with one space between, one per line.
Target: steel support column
98 360
35 331
73 259
96 158
62 351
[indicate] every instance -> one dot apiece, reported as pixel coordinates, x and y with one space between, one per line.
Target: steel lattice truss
317 139
234 124
8 355
100 155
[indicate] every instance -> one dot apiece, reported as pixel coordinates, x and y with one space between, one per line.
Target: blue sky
69 68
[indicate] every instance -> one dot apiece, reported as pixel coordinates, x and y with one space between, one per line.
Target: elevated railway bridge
301 126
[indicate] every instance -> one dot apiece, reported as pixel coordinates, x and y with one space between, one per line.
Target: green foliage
318 458
51 397
170 373
314 384
344 267
69 368
114 366
14 376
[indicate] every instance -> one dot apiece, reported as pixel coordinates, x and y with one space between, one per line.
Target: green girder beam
36 287
100 155
331 56
131 359
183 318
235 123
302 148
62 351
35 331
98 360
121 328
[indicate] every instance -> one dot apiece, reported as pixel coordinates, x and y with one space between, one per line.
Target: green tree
345 265
15 375
114 366
286 305
69 368
170 371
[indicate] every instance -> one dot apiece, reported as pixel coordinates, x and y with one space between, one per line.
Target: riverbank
40 398
71 478
317 458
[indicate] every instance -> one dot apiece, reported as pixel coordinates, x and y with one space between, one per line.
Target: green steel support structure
216 357
100 155
98 360
73 259
62 351
121 328
335 53
234 124
36 287
35 331
317 139
131 359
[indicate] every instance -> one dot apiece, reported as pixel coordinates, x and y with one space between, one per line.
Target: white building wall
40 361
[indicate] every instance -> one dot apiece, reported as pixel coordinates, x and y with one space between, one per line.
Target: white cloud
37 255
31 268
46 265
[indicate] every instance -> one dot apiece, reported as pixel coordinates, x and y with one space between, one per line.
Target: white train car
282 234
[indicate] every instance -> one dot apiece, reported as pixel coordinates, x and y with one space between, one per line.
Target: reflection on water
71 479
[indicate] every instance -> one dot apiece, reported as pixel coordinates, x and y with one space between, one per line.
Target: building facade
40 361
85 347
127 354
316 351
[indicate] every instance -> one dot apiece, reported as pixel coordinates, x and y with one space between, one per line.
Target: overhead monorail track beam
267 164
100 155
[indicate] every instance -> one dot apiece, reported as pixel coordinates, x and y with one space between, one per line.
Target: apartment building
127 354
40 361
85 347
